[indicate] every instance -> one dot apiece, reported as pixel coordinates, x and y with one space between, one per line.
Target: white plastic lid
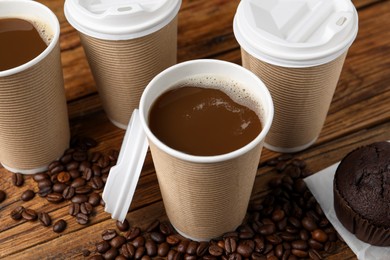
123 178
296 33
120 19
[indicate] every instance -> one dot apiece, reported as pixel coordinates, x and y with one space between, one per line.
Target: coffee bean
133 233
279 251
278 215
3 196
27 195
117 241
315 244
293 171
166 228
79 198
111 254
59 226
299 244
97 183
40 176
82 218
53 178
73 165
309 224
74 174
57 169
78 182
103 162
259 244
313 254
230 245
173 240
139 252
163 249
79 156
63 177
102 246
267 229
202 249
299 253
59 187
44 183
319 235
86 208
191 248
274 239
330 247
43 192
74 209
128 250
54 197
83 189
95 156
139 241
29 214
122 226
304 234
66 158
215 250
151 247
245 248
16 213
158 237
17 179
87 174
44 218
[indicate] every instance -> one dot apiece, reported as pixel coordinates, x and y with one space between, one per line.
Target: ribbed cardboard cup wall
122 69
198 197
301 96
34 127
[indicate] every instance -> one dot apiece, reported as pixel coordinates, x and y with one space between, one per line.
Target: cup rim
267 104
54 24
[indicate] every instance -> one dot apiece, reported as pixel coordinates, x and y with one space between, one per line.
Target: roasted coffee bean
287 236
97 183
44 183
173 240
280 166
314 255
191 248
54 197
82 218
3 196
166 228
56 170
163 249
279 251
72 165
319 235
84 165
43 192
74 209
53 165
97 171
299 244
245 248
27 195
44 218
139 252
293 171
202 249
278 215
94 199
182 246
103 162
274 239
102 246
299 186
151 247
158 237
259 244
139 241
29 214
128 250
309 224
86 252
87 174
95 156
59 187
133 233
267 229
111 253
230 245
86 189
122 226
299 253
78 182
215 250
79 156
53 178
17 179
16 213
330 247
304 234
86 208
74 174
315 244
40 176
59 226
63 177
79 198
117 241
66 158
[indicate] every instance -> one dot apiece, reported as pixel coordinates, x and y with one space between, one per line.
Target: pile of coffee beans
78 176
287 224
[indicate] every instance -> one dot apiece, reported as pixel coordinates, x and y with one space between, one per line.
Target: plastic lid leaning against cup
123 178
120 19
295 33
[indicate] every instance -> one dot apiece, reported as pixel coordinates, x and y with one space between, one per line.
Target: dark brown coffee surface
20 42
202 121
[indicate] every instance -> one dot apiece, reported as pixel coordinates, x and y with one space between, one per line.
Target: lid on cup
120 19
123 178
296 33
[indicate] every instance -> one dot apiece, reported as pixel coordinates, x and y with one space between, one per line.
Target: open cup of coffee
205 121
34 127
298 49
127 43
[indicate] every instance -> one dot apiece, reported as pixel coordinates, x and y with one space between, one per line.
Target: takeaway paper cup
206 196
34 127
298 49
126 44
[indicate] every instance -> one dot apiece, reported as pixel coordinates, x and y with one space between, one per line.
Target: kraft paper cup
34 127
126 45
298 50
206 196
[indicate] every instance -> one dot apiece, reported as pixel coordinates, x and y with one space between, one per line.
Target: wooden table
359 115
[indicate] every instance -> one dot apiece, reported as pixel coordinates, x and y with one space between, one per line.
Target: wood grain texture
359 114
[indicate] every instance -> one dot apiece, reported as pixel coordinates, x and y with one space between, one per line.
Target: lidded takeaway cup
298 49
127 43
34 126
204 196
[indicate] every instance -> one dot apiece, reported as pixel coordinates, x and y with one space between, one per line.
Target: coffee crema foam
234 89
42 28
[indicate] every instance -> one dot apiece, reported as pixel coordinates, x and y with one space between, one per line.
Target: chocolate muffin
361 190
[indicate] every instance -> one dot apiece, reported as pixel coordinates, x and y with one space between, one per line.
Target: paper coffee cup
126 44
34 127
298 50
206 196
